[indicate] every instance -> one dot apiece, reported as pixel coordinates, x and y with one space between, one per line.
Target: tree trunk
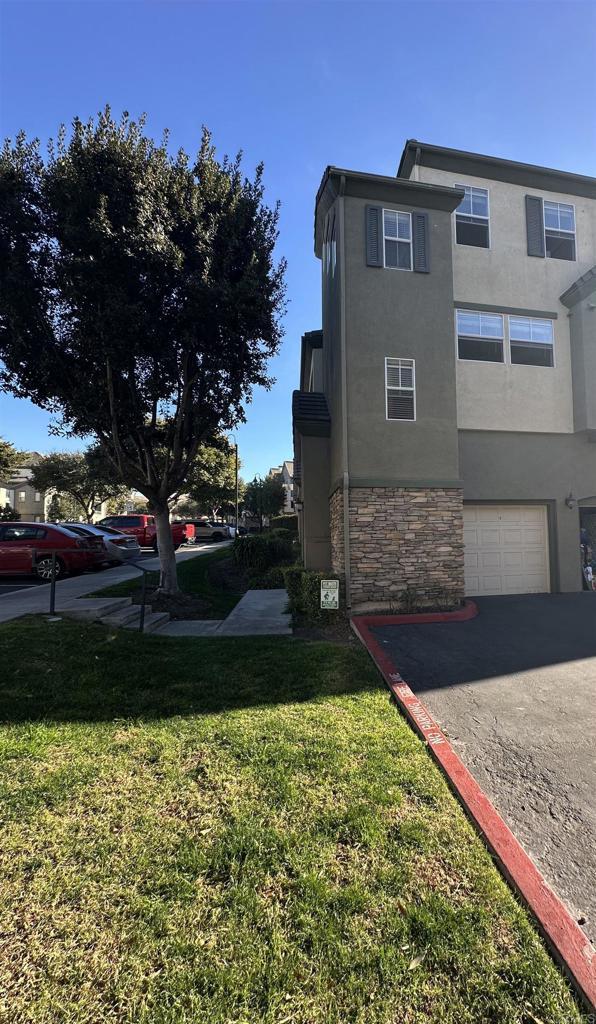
168 576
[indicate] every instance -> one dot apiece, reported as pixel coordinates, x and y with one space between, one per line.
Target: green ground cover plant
239 831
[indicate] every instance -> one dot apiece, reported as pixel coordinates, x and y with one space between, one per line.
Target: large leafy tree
84 477
139 297
264 497
211 484
10 459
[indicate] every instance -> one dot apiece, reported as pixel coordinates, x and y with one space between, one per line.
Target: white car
119 547
206 529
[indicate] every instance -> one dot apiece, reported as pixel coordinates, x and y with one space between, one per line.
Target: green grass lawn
193 578
239 831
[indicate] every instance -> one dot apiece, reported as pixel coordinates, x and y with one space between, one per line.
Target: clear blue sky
300 86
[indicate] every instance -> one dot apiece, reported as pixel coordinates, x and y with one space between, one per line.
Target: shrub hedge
258 551
285 522
304 593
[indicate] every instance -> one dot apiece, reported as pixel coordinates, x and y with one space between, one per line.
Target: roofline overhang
480 165
379 188
580 289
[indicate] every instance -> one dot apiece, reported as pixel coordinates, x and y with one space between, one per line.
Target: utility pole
236 449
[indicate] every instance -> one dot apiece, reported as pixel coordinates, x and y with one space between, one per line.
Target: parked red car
143 528
27 548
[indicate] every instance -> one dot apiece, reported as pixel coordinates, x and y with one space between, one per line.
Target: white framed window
559 230
37 496
531 341
400 389
480 336
472 218
397 240
22 495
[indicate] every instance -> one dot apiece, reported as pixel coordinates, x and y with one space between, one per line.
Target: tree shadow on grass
73 672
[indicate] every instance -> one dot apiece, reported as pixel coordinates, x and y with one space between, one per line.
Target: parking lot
515 691
11 584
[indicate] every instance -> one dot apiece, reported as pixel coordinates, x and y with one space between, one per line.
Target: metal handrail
144 573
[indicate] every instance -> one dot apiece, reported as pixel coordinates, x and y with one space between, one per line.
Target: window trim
545 319
487 219
506 318
564 231
480 312
409 241
388 387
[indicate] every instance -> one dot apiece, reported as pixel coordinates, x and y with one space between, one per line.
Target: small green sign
330 594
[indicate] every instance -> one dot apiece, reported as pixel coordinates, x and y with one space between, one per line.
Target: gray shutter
535 226
374 236
420 243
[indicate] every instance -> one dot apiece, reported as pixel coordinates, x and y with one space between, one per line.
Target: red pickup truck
143 528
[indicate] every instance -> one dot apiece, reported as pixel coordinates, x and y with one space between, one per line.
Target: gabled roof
481 166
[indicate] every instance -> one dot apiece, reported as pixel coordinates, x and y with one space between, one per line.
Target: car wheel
43 568
155 548
217 537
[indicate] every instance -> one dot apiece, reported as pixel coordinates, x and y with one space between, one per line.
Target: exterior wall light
570 501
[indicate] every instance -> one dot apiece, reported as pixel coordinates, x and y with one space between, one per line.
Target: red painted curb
469 611
565 938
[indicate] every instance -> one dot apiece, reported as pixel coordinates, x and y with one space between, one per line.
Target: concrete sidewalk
36 600
258 613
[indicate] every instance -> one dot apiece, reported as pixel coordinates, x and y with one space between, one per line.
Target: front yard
209 584
239 832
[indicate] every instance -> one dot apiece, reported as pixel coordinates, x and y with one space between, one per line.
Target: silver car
119 547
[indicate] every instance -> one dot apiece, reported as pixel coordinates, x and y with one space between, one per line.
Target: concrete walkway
36 600
258 613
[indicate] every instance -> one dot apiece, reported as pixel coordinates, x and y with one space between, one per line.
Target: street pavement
515 691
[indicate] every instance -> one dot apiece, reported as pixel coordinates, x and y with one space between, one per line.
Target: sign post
330 595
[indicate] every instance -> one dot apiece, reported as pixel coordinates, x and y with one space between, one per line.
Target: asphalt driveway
515 691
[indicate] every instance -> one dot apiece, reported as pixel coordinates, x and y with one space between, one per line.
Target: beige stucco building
445 420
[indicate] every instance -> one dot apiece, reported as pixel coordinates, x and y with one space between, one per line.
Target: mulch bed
337 632
226 575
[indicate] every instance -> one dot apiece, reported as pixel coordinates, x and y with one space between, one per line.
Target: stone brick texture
336 525
406 547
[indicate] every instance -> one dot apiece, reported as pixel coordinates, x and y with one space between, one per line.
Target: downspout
344 396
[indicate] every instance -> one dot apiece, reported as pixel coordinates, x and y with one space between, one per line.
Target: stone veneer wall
336 525
406 539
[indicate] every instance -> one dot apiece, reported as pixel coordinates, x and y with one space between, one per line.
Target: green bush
293 582
271 579
284 522
304 593
258 551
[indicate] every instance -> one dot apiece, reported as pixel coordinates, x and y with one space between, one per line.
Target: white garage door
506 549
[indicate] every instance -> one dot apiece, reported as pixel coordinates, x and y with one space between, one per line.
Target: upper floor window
472 217
531 341
559 230
397 240
400 389
480 336
37 496
22 495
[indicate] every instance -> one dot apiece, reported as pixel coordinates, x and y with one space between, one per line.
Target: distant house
19 492
286 473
